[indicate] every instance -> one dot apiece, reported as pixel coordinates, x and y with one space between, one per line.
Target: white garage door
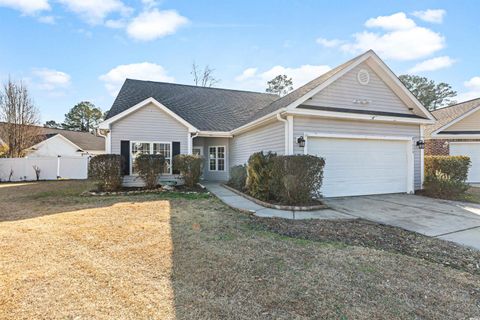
471 150
362 166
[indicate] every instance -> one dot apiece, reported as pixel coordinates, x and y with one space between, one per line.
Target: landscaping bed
364 233
125 191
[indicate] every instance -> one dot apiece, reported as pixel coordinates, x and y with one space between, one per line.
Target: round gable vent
363 77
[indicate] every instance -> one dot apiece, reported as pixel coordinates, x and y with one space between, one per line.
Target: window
216 156
163 148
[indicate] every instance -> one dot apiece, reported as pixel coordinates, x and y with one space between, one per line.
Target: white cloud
251 79
397 21
95 11
401 41
154 24
433 64
28 7
473 90
114 78
50 80
431 15
329 43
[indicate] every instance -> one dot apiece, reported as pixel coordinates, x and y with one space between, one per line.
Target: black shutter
175 151
125 152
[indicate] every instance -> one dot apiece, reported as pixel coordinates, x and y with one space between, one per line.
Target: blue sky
73 50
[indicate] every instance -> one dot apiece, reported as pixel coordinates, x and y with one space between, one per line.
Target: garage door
362 166
471 150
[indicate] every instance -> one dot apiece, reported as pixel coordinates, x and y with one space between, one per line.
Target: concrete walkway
449 220
238 202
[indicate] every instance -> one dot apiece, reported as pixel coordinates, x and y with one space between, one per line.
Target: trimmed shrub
297 179
190 167
238 177
446 176
149 167
106 171
259 175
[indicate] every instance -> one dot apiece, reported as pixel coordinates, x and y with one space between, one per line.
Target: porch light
301 142
421 144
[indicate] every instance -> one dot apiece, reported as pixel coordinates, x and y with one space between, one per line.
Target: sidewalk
238 202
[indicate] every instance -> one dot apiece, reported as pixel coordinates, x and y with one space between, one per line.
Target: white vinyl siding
149 124
472 150
345 90
470 123
270 137
302 125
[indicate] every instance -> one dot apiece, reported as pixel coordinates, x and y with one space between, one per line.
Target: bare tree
203 78
20 118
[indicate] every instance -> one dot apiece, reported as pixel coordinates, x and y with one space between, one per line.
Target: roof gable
450 115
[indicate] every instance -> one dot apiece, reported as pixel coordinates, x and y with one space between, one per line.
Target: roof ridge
457 104
200 87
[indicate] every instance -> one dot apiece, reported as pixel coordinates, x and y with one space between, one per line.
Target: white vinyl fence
51 168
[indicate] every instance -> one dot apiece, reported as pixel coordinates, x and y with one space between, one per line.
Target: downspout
279 118
108 147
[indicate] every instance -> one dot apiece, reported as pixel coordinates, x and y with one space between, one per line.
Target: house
358 116
457 132
51 142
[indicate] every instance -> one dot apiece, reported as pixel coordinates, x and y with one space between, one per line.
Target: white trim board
106 124
465 115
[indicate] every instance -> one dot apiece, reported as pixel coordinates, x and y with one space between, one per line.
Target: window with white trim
146 147
216 158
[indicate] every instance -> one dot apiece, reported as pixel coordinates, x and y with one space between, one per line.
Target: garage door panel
361 166
471 150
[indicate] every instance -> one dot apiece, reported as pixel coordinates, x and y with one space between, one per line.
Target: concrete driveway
449 220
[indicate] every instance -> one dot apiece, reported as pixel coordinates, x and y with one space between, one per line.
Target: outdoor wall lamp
421 144
301 142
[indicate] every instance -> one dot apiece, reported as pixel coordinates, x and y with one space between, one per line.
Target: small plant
445 176
190 167
238 177
106 171
149 168
10 175
37 172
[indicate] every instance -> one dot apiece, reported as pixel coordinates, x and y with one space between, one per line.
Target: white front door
363 166
472 150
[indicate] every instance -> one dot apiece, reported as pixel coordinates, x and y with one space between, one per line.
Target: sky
67 51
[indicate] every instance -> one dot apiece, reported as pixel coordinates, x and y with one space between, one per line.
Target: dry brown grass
146 257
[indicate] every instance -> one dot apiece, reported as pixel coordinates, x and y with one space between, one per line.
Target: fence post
58 166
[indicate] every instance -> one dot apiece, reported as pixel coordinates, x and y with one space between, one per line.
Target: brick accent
441 147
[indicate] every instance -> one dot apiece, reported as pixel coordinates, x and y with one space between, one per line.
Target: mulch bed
364 233
137 190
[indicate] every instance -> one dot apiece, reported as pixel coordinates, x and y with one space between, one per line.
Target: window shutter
175 151
125 153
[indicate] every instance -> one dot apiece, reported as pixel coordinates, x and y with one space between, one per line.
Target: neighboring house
57 142
457 132
358 116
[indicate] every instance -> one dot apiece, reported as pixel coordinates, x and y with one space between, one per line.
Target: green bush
106 171
297 179
149 167
190 167
445 176
259 175
238 177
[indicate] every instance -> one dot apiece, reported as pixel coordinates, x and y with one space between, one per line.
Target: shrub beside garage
446 176
291 180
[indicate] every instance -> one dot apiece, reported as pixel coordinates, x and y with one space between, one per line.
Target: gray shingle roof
205 108
85 140
448 114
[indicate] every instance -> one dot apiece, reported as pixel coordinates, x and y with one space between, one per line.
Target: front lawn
171 256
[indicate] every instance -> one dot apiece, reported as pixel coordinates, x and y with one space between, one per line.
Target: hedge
446 176
149 167
106 171
238 177
259 175
190 167
297 179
